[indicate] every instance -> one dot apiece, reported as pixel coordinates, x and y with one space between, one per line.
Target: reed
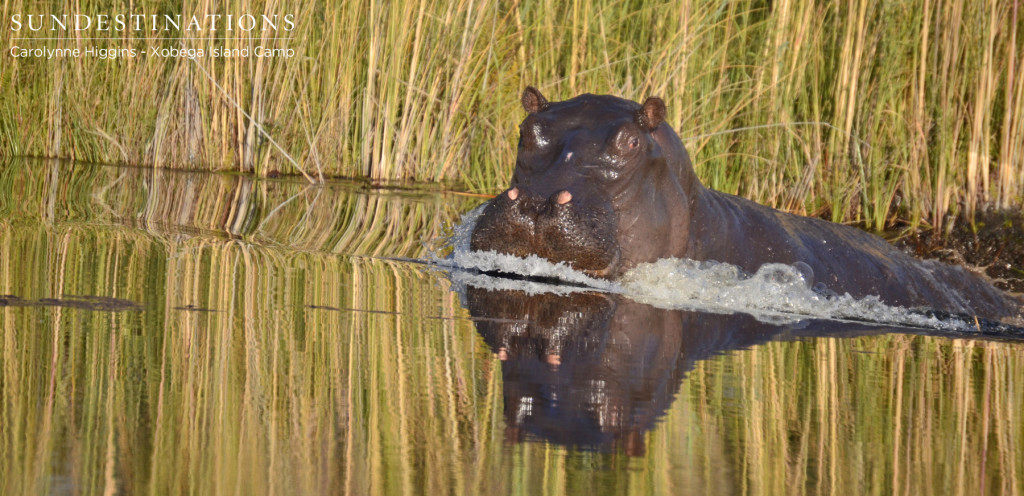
922 99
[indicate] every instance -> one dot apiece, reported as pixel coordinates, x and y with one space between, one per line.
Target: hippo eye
627 140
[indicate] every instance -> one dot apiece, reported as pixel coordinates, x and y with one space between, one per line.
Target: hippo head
595 181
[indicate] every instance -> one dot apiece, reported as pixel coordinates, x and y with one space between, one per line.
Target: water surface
167 332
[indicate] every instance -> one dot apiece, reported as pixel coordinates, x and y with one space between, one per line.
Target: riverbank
993 245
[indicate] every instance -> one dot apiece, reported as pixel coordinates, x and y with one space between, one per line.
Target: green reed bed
917 107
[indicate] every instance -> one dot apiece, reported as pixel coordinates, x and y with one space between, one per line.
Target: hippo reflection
597 370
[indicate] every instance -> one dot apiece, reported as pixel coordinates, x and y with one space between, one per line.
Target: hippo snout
559 228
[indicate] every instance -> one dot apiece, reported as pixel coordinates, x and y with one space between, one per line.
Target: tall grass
923 101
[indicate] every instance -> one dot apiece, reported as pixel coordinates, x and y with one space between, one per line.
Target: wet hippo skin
603 184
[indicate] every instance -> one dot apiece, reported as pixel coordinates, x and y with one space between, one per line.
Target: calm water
169 333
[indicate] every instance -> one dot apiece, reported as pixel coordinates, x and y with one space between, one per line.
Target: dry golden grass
922 99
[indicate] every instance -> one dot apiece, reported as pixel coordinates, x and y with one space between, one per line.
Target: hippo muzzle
559 228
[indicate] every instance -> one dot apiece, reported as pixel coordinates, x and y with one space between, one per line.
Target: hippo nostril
554 359
513 193
563 197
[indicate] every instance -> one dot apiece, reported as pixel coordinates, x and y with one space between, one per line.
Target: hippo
603 184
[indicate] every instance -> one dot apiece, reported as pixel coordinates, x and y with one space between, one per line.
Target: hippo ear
533 101
651 114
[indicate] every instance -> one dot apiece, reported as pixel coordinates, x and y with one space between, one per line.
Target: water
169 332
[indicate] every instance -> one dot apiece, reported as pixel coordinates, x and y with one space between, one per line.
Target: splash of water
776 292
454 252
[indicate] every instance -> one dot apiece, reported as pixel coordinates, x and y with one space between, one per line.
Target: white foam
777 292
454 252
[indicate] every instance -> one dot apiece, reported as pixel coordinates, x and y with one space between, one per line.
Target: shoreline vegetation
874 113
